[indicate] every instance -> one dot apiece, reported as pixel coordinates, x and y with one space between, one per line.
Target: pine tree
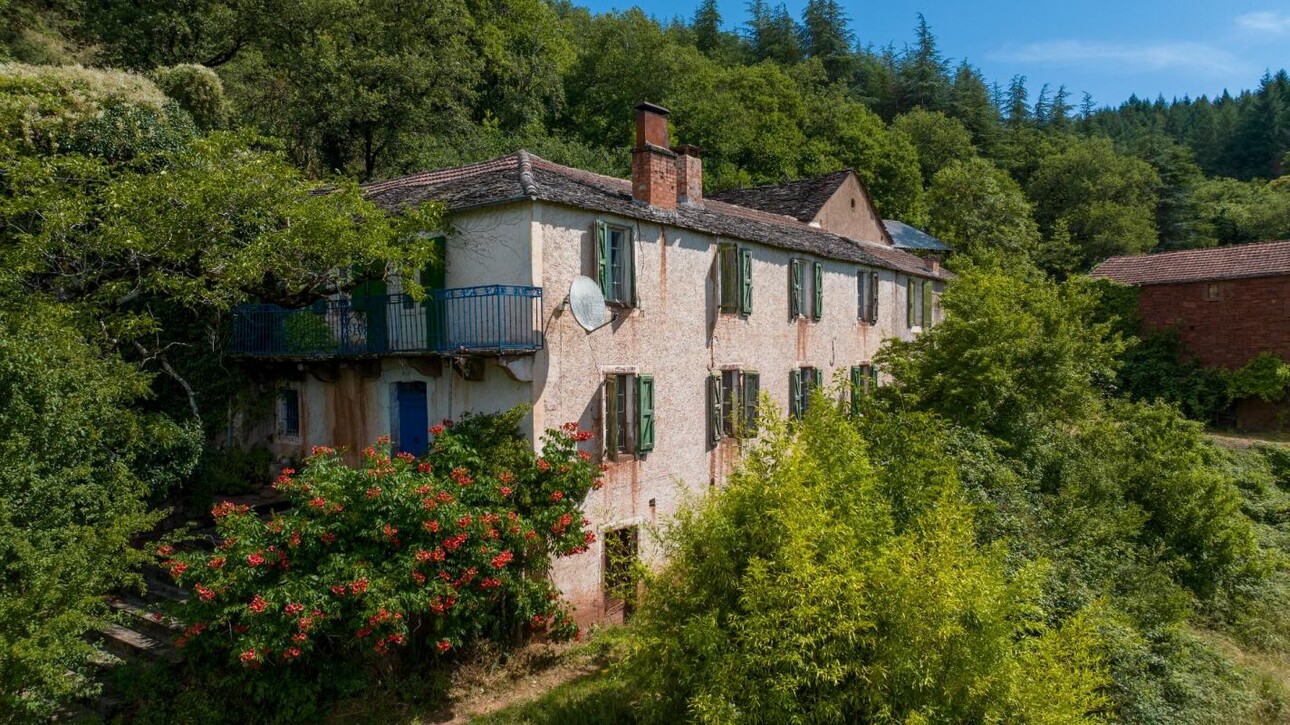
707 26
1042 106
1016 98
1087 106
972 104
1059 113
825 36
922 78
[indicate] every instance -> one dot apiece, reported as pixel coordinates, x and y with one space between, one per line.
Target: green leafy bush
234 470
308 332
396 560
198 90
819 587
1265 377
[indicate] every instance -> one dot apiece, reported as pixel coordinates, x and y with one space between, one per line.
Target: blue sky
1110 49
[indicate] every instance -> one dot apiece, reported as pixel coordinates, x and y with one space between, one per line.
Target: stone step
161 585
146 618
127 643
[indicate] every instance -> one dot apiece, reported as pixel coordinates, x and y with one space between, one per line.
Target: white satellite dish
588 303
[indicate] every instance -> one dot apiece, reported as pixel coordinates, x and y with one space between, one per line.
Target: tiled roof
523 176
907 237
1263 259
801 200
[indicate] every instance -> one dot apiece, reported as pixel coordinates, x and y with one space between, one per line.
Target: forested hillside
377 89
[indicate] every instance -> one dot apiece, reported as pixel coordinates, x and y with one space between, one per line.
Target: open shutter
909 302
817 287
752 390
611 416
714 408
727 277
745 281
795 393
862 295
602 257
629 253
644 413
873 298
873 377
928 298
795 288
857 386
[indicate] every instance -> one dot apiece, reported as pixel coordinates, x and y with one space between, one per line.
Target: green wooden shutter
873 298
909 302
745 281
714 408
857 383
752 389
371 298
817 286
629 250
728 277
873 377
611 416
928 299
795 288
862 295
644 413
602 257
795 393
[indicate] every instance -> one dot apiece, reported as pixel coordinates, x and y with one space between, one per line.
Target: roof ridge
460 171
526 174
840 173
1197 251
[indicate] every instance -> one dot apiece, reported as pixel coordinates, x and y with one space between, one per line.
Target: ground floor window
732 404
289 412
621 566
801 382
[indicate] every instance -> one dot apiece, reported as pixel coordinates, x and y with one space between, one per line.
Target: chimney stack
654 165
689 175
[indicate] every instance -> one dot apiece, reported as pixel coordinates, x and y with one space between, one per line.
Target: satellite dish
588 303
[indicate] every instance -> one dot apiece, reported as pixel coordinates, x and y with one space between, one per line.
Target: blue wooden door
413 417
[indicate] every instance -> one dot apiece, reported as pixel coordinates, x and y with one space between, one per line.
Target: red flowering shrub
418 557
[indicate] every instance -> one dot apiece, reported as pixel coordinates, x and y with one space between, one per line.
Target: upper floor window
867 296
629 414
805 291
615 264
1211 292
734 268
732 404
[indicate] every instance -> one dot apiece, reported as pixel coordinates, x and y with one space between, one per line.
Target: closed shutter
817 286
714 408
745 279
862 295
611 416
602 258
629 254
873 377
857 385
926 303
795 288
795 393
752 390
645 413
873 298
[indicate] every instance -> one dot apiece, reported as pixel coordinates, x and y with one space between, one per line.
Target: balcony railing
496 319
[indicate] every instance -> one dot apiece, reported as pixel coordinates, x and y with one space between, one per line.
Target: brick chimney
654 165
689 175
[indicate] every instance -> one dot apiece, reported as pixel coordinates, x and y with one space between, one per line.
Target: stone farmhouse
1226 305
713 301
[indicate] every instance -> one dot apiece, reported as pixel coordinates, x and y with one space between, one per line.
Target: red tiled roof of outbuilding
1262 259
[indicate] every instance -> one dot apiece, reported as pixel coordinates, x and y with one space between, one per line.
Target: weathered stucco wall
848 213
677 334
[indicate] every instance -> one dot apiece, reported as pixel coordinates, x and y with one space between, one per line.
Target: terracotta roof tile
521 176
1262 259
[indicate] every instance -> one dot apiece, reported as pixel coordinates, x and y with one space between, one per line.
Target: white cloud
1266 21
1125 57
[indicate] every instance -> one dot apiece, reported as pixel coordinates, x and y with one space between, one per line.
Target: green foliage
940 140
394 560
197 90
71 498
1266 377
1239 212
308 332
981 212
234 470
806 590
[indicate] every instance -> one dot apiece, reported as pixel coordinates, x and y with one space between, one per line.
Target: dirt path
478 693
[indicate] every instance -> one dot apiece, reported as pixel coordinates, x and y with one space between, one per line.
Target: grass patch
593 699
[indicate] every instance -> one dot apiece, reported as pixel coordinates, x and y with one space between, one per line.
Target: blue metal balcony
492 319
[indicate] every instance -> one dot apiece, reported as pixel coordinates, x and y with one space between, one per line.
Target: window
802 381
621 568
615 266
734 267
915 302
1211 292
629 414
805 294
289 412
863 382
732 404
867 296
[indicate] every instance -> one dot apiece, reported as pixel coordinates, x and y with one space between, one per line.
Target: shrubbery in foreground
396 560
